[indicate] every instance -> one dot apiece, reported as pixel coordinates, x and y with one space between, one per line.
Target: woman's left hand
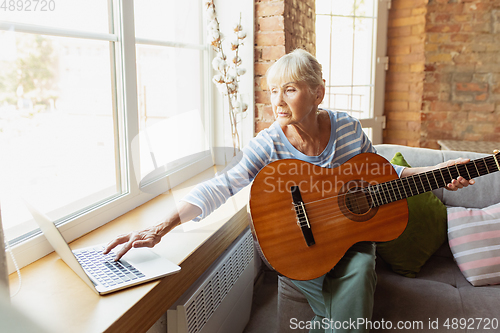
460 182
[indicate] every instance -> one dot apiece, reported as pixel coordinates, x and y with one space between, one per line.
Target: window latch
383 60
382 120
389 2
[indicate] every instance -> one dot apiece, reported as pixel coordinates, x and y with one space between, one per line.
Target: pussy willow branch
232 119
235 133
232 86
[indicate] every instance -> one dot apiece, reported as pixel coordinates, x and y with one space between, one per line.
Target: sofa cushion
424 234
292 304
433 294
474 238
439 291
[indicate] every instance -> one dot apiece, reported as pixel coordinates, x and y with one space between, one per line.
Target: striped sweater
347 139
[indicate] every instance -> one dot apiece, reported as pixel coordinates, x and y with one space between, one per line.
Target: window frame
377 122
126 125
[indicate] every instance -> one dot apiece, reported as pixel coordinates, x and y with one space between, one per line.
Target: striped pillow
474 237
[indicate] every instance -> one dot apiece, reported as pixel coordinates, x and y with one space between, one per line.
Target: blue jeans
342 299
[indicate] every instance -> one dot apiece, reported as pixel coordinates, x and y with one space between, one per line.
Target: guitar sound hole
355 202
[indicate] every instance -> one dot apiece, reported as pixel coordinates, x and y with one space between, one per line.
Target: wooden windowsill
55 297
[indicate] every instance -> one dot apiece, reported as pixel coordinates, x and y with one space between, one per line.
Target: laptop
100 272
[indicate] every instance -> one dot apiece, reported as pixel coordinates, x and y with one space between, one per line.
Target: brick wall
404 79
462 72
281 27
300 31
455 94
443 80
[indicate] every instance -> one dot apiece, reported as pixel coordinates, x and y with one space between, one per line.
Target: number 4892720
28 5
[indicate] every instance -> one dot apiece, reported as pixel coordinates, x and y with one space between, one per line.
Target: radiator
220 300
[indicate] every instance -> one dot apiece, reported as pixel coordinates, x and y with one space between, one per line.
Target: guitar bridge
302 219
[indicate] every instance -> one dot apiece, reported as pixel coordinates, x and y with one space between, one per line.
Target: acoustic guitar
306 217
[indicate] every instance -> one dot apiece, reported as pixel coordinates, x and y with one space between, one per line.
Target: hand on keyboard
148 237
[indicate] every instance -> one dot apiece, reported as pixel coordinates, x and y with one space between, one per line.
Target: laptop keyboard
104 269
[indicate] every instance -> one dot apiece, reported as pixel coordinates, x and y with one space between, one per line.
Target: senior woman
303 131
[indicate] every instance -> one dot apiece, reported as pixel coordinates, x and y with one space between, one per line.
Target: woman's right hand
151 236
148 237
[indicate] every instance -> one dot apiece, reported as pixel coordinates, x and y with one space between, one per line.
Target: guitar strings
484 169
364 205
390 192
328 216
312 212
324 202
320 218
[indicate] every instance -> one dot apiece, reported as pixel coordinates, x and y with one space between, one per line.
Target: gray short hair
296 66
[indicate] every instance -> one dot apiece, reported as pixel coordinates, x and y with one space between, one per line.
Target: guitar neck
406 187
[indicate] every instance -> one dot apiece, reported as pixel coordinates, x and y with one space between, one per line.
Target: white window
170 81
97 114
351 46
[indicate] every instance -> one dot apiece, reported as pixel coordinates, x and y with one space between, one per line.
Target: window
170 56
91 109
351 46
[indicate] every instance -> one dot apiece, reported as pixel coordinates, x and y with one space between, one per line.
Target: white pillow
474 238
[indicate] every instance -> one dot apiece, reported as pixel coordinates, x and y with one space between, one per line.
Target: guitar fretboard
384 193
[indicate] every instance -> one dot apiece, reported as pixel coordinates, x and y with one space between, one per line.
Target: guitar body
336 219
